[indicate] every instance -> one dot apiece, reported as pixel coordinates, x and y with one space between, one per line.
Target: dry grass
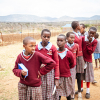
8 82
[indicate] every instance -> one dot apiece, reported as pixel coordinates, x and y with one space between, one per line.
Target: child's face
71 38
91 33
78 27
30 47
81 29
61 41
45 37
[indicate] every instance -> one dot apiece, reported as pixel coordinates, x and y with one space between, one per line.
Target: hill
33 18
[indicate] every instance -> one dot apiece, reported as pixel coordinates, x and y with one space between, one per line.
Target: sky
51 8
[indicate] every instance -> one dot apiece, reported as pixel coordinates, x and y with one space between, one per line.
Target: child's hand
24 73
89 38
42 65
56 82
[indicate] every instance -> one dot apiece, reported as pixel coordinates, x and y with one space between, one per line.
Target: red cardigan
88 49
66 64
79 42
33 65
52 53
74 49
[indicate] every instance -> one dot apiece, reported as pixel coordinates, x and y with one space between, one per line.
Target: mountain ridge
34 18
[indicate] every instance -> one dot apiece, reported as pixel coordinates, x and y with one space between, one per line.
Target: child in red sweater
80 61
89 44
66 62
29 88
48 49
74 48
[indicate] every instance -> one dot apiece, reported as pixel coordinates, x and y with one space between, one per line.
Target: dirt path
8 82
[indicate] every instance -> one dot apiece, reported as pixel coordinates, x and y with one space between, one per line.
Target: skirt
96 55
73 76
48 85
29 93
65 87
88 74
79 64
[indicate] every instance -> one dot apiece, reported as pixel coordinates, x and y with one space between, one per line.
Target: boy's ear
24 45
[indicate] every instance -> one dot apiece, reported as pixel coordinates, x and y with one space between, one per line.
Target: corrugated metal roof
67 25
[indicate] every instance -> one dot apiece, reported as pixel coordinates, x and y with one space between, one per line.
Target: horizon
51 17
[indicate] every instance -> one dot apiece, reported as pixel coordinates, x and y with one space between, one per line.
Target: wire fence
15 38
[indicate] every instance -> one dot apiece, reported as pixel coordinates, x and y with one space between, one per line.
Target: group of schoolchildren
49 67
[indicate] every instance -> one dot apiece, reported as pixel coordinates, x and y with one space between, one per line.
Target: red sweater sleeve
56 59
77 51
16 71
91 47
71 59
49 64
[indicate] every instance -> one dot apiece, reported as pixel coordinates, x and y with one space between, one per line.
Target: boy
88 46
30 87
97 51
74 48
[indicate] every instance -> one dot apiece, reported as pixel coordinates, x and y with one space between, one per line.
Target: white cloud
52 8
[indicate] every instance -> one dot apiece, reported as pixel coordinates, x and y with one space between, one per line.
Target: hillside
33 18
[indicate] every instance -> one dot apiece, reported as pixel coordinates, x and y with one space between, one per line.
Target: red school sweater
33 64
51 53
78 40
66 64
88 49
74 49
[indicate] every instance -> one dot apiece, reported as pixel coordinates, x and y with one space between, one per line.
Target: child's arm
91 47
56 59
77 51
56 68
71 59
49 64
18 72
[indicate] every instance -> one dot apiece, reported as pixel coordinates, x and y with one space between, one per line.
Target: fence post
1 38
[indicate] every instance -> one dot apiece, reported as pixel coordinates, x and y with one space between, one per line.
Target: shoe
83 81
72 99
94 82
80 98
87 95
77 92
95 68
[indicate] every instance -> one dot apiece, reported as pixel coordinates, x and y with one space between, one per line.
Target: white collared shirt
63 54
48 47
70 45
77 34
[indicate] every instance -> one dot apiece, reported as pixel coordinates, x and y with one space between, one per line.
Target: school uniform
30 86
88 49
79 59
97 50
48 79
86 33
66 62
74 48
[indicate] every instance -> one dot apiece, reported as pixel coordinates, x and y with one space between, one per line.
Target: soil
9 82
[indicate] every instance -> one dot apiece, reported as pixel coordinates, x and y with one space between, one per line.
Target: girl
80 61
45 47
66 62
89 44
74 48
